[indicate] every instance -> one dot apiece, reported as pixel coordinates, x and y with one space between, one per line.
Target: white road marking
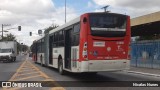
142 73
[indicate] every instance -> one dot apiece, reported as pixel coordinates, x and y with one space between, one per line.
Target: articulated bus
92 42
38 50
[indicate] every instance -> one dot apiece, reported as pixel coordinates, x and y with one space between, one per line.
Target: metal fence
145 54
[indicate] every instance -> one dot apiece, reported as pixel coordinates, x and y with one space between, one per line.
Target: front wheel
60 68
14 58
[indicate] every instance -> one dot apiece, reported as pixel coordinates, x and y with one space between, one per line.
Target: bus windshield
108 25
5 50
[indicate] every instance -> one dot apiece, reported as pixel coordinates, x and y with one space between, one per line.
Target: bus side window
76 28
61 38
55 39
75 34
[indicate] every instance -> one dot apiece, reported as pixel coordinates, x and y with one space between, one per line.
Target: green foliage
50 28
9 37
22 47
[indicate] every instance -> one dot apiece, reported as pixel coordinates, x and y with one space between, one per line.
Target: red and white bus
92 42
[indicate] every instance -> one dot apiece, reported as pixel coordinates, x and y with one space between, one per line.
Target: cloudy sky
33 15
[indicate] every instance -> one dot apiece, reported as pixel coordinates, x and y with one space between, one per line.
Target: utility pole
65 11
19 29
2 28
105 8
2 31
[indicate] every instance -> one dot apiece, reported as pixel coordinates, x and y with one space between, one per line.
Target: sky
33 15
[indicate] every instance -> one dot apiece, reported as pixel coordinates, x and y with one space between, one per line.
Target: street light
19 28
40 32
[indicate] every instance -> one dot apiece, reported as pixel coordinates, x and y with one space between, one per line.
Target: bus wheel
60 67
14 58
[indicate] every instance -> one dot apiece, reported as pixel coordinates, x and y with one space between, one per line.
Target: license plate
99 44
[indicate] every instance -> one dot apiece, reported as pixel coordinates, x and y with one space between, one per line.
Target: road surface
7 70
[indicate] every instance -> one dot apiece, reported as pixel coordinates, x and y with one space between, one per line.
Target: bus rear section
104 42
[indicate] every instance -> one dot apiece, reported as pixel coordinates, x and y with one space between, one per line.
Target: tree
53 26
9 37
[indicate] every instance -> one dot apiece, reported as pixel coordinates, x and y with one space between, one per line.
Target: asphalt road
8 69
101 76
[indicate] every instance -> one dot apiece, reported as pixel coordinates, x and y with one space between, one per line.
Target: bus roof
65 25
107 13
78 19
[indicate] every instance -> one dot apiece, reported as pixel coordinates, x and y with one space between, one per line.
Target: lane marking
49 79
142 73
12 78
27 70
28 73
43 74
59 87
37 73
28 77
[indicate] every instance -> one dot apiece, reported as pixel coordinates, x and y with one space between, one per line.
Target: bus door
50 50
67 49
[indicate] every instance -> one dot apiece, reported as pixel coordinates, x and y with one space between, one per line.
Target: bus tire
60 67
14 59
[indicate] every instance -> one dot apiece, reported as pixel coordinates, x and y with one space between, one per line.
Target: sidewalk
145 71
